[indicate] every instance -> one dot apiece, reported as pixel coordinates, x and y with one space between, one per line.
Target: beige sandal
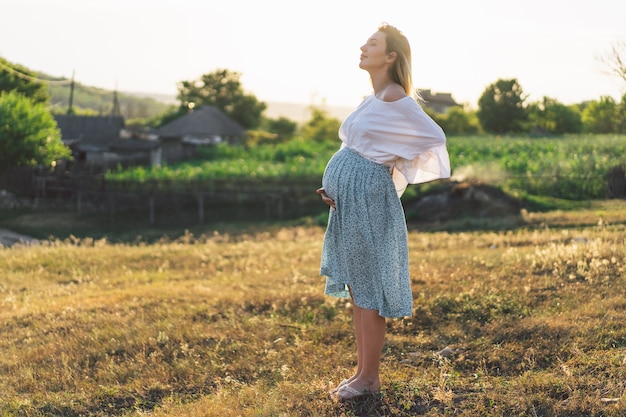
351 392
341 384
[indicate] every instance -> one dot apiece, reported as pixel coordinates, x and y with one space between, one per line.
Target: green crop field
569 167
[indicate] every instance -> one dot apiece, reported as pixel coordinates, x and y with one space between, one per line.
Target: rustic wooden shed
206 125
99 140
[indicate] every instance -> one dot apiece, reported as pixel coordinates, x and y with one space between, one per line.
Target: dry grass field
214 323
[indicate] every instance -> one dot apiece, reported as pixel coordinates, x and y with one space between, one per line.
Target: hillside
298 112
145 105
95 100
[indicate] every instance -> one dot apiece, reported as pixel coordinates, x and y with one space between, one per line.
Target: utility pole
116 104
70 110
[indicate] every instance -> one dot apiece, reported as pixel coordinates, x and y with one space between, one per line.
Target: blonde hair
401 69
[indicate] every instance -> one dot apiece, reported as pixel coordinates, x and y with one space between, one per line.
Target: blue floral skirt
365 251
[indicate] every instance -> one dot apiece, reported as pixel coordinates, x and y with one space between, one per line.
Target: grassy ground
230 320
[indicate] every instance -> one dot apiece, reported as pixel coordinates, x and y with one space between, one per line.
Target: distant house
206 125
89 135
99 140
439 102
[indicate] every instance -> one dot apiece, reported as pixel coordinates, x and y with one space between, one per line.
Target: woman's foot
342 383
348 392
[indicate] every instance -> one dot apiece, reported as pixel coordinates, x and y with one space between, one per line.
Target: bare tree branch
616 60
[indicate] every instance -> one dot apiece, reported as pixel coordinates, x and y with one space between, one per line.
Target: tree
553 117
501 107
222 89
17 78
282 127
616 60
599 116
29 135
457 121
320 126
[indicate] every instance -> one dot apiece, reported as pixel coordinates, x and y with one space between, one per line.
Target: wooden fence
211 200
219 200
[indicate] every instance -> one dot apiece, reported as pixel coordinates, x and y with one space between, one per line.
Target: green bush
29 135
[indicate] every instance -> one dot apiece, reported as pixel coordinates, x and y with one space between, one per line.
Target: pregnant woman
388 142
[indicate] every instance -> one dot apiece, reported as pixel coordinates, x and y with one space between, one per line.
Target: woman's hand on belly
325 198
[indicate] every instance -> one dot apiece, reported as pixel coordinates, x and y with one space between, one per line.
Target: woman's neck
380 83
388 90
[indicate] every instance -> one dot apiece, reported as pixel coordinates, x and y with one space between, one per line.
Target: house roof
201 122
439 98
91 129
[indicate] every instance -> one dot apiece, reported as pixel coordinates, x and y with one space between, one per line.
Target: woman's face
373 55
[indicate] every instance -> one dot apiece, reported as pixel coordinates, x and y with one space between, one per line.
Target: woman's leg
370 329
358 335
358 332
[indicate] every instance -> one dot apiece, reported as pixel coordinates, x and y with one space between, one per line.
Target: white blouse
400 135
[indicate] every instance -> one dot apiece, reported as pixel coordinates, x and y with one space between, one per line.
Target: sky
308 51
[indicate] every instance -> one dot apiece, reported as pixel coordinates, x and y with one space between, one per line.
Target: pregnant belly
332 177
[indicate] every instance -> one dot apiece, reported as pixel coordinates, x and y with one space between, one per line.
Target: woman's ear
392 56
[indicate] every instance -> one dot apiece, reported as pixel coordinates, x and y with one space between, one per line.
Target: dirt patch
464 199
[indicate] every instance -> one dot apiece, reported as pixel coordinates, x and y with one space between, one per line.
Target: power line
31 78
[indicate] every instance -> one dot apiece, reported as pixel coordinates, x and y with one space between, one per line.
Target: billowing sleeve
424 157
